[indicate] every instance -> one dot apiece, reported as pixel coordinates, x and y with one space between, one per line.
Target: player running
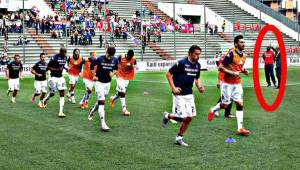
227 111
181 77
106 67
57 81
87 77
40 83
124 74
231 88
74 64
13 73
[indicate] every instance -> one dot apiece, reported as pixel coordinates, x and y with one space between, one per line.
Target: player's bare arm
95 78
112 73
21 75
199 86
35 73
6 73
175 90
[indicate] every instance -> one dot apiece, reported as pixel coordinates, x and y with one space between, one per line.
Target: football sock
216 107
239 118
123 103
179 137
87 95
101 113
48 97
61 104
96 106
116 96
8 92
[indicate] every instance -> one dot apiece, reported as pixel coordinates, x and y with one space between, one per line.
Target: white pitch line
159 82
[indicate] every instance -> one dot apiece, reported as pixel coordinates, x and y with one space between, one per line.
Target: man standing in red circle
269 58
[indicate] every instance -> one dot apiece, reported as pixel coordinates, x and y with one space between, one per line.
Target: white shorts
102 89
231 92
122 84
88 84
184 106
73 79
40 86
14 84
57 83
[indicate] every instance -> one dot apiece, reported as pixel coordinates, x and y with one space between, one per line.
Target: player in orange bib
74 63
124 74
231 87
87 77
221 75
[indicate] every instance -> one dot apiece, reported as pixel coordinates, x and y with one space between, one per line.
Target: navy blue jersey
40 68
278 60
104 67
57 62
184 74
14 69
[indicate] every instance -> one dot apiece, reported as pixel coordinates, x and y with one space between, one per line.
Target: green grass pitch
33 138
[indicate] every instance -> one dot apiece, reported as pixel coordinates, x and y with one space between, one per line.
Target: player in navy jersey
40 83
106 67
56 82
181 77
13 73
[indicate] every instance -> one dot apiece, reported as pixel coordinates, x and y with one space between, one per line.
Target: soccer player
74 64
40 83
13 73
57 81
124 74
87 77
231 88
106 67
227 113
181 77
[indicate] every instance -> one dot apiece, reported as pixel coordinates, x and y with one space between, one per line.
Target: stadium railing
269 11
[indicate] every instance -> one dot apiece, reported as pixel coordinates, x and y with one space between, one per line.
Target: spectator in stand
76 37
20 41
72 38
43 26
206 27
101 38
143 45
117 32
223 26
112 37
211 31
148 35
158 34
36 26
151 13
216 29
89 38
4 59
